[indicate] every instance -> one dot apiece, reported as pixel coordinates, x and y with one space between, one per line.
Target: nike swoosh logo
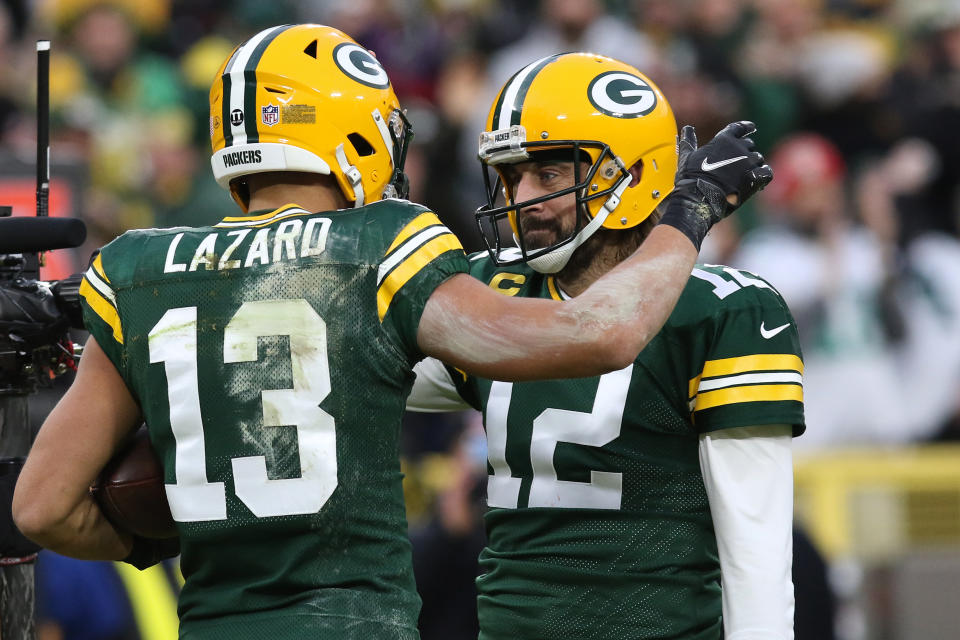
710 166
769 333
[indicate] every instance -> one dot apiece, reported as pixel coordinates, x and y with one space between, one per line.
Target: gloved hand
147 552
714 180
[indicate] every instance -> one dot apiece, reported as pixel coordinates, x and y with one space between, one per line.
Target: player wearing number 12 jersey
652 502
271 354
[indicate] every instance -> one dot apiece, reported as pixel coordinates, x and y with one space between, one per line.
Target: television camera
35 315
35 347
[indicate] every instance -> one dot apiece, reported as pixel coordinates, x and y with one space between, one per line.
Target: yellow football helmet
308 98
593 106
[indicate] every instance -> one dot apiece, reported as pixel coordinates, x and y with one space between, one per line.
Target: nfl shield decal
270 114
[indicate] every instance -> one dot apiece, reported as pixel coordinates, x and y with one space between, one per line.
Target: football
130 490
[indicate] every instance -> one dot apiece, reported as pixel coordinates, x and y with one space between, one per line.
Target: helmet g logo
621 95
359 64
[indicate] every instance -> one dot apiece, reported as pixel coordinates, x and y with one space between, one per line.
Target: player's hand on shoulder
729 163
712 181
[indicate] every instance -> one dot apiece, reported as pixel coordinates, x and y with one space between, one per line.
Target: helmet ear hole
636 172
311 50
360 145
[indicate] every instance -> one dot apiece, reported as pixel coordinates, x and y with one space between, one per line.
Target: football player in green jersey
271 354
654 501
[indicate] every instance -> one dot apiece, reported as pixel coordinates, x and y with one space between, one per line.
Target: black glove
728 165
147 552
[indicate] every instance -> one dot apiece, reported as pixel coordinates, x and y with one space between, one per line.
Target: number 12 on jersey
595 429
173 341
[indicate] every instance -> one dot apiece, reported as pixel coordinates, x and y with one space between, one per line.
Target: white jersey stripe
407 248
749 378
100 286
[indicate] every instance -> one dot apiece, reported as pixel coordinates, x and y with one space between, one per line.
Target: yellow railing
874 504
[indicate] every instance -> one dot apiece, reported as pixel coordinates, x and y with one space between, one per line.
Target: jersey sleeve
101 315
748 476
434 389
746 363
420 257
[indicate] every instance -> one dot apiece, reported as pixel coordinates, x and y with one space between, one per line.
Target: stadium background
857 103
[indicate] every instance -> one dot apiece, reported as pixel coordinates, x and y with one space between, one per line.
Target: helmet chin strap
352 174
554 260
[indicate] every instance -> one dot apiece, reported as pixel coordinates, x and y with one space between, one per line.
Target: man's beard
604 249
538 234
615 245
583 256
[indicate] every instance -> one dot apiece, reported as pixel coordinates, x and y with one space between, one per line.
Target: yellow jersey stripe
410 267
103 308
756 362
743 364
419 223
262 216
552 288
280 215
757 393
407 249
98 267
292 213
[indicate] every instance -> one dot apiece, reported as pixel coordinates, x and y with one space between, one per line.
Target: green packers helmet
597 108
308 98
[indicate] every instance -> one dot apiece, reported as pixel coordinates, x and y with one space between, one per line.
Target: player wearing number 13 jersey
271 354
652 502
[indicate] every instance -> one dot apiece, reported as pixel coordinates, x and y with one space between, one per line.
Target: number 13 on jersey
173 341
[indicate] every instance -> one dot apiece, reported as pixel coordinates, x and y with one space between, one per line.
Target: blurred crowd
857 104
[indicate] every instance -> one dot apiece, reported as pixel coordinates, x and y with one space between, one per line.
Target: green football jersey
271 355
599 525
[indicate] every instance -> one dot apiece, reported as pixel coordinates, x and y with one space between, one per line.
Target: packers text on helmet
308 98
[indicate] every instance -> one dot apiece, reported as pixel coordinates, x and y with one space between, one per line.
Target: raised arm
604 329
468 325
